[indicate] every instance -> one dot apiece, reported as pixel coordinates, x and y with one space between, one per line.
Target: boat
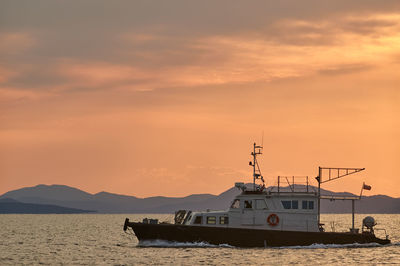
276 216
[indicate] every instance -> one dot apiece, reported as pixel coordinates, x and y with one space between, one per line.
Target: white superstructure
286 212
292 208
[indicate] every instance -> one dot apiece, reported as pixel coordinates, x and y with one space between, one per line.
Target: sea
98 239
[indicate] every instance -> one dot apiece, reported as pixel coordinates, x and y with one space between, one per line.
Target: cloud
12 95
379 25
345 69
153 60
6 74
12 43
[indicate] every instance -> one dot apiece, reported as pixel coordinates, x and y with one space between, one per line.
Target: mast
256 168
319 194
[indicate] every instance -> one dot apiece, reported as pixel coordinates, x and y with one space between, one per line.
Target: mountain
371 204
105 202
8 205
102 202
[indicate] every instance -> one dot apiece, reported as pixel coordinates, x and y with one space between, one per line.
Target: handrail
295 184
382 229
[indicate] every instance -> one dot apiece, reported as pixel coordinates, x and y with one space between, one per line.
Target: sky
149 98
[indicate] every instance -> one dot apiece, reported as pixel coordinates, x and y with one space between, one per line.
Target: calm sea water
99 239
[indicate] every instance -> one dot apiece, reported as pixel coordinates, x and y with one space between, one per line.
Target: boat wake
170 244
329 246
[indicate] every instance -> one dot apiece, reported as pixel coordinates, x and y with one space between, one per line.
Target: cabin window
235 204
198 220
248 204
290 204
211 220
307 205
223 220
287 204
261 205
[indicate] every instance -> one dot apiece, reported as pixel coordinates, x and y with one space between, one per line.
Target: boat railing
382 230
293 184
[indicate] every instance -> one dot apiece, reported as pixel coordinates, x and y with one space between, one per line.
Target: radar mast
256 168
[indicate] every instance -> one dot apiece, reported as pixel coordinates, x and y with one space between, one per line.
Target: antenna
257 150
262 139
327 174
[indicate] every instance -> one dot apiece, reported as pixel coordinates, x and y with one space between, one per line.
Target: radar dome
369 222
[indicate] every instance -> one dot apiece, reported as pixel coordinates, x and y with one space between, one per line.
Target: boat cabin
289 211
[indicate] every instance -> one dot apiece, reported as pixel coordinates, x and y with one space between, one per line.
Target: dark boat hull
241 237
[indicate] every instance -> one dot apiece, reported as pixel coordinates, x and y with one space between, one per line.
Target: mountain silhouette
105 202
8 205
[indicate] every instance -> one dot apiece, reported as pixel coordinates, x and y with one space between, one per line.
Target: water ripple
99 239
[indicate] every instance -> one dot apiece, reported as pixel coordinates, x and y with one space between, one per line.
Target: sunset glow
147 98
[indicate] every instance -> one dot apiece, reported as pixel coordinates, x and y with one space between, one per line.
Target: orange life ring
273 219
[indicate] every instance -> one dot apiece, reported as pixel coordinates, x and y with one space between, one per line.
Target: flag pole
362 188
352 216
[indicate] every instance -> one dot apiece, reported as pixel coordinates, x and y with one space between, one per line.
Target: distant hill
8 205
102 202
371 204
105 202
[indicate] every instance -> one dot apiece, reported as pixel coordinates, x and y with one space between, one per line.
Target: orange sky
150 98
